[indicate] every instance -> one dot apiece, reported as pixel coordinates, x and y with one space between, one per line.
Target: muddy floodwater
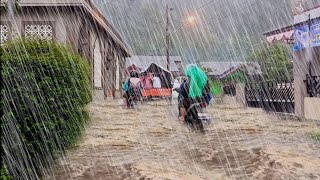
149 143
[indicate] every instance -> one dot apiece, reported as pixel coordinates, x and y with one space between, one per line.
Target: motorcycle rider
194 90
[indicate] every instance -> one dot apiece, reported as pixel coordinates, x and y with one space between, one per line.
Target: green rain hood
198 80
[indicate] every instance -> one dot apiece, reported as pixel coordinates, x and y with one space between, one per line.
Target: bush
4 174
45 90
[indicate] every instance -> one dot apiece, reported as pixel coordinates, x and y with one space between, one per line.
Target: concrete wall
312 108
300 69
239 99
241 95
17 22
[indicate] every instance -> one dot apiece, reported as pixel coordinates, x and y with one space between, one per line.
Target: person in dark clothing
194 90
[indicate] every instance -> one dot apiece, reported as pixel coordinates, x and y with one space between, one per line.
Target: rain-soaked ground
149 143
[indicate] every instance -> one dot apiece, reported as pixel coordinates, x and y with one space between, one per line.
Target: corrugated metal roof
143 62
219 68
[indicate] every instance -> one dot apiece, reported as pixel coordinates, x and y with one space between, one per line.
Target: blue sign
315 34
305 39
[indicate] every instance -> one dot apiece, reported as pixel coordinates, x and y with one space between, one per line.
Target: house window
42 30
4 32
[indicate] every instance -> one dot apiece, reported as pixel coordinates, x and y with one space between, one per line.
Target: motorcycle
196 119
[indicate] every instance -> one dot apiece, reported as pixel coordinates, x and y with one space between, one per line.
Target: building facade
78 24
304 36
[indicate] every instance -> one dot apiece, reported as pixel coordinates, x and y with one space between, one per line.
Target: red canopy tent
166 79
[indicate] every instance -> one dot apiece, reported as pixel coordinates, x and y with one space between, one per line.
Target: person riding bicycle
194 90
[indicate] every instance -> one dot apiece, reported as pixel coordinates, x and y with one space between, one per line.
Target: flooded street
65 64
149 143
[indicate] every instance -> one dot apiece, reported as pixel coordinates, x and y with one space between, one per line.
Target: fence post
240 94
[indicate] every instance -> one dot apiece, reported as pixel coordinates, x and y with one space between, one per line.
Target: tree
275 62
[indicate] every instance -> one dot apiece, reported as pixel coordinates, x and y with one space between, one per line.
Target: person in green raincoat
195 89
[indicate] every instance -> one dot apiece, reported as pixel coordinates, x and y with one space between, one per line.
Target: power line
204 5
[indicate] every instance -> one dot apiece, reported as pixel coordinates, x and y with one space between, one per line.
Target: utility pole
167 38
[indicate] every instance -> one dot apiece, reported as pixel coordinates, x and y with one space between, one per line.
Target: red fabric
147 81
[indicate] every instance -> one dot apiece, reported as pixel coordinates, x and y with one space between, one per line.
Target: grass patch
315 136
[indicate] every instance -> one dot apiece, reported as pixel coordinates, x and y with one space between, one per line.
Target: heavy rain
160 89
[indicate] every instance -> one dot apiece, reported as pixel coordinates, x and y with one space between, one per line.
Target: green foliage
4 174
315 136
275 62
46 87
216 87
237 77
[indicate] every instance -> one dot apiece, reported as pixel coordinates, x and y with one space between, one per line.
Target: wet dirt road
149 143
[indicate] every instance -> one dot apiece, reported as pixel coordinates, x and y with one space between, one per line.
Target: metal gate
272 96
313 85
